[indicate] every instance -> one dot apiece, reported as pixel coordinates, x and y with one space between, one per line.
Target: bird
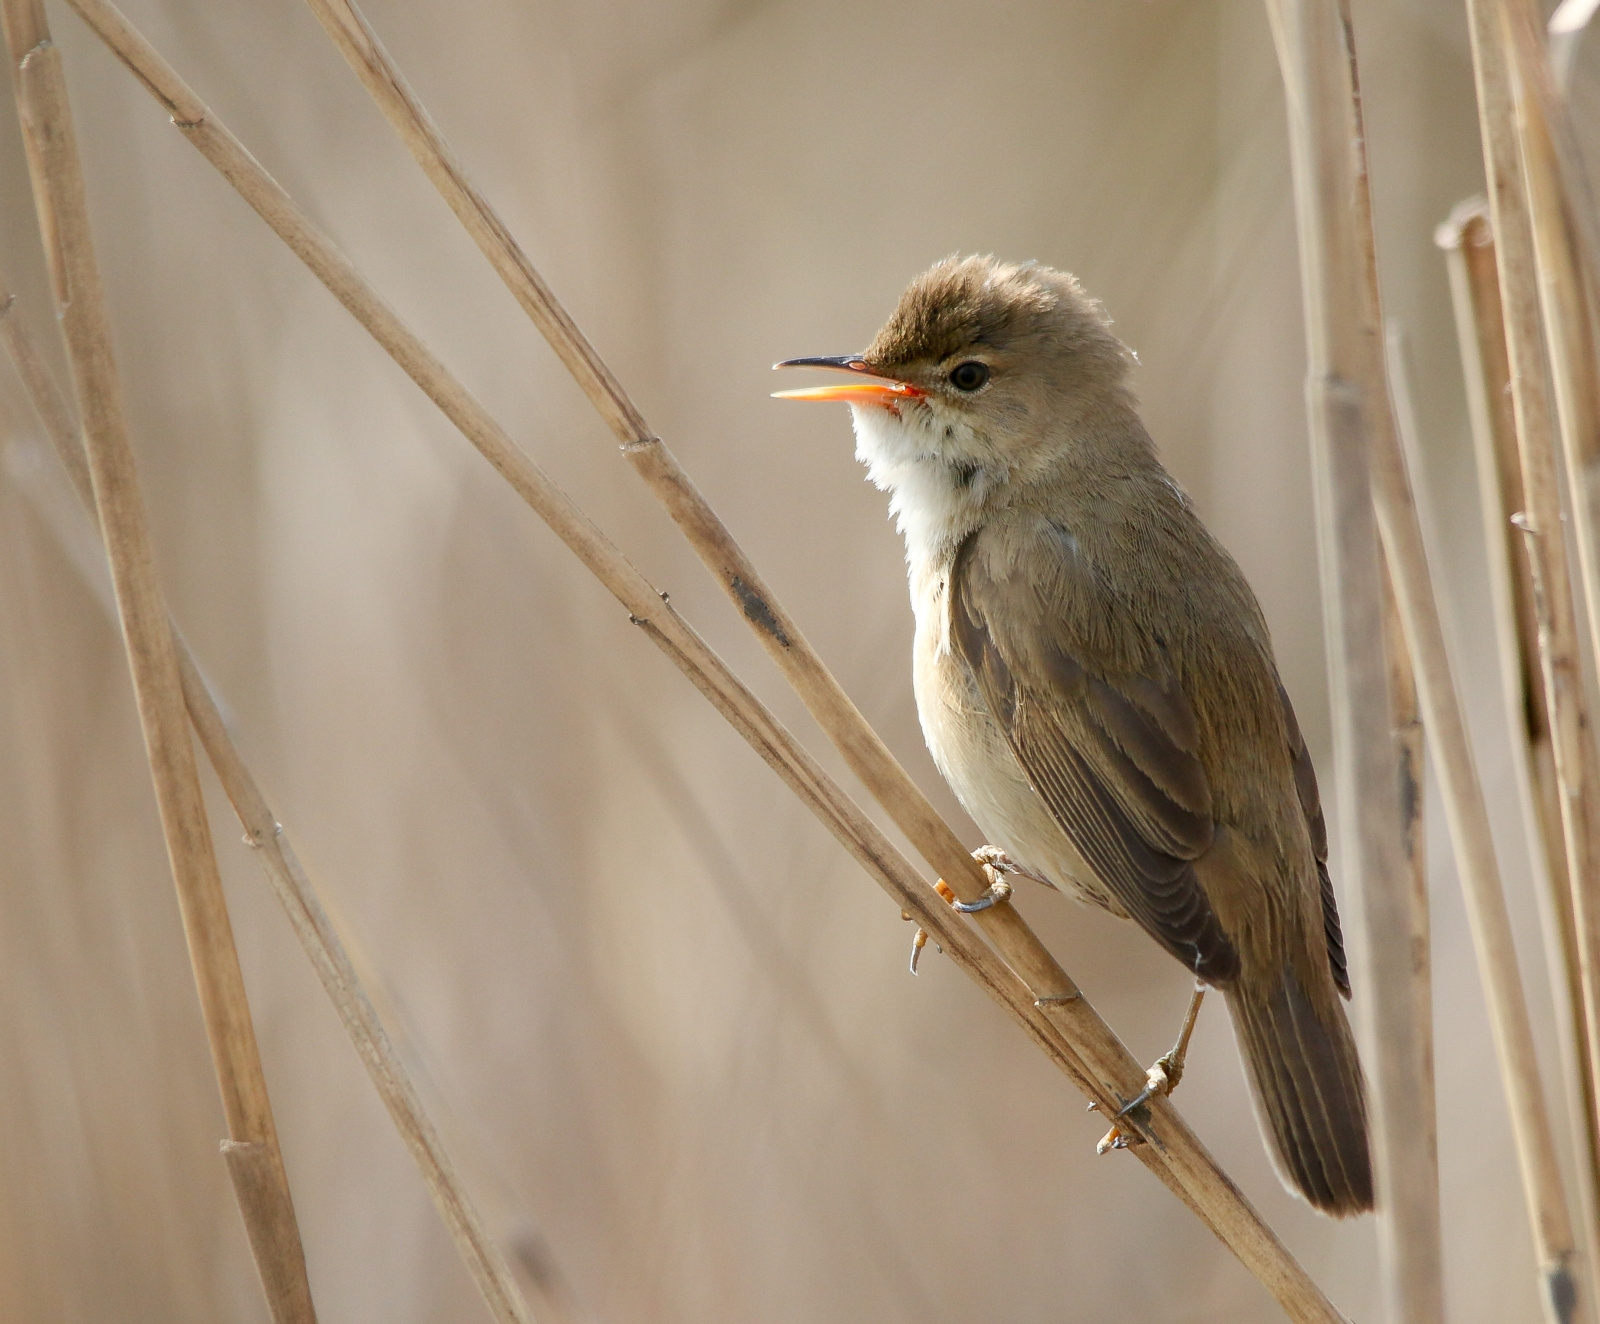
1095 679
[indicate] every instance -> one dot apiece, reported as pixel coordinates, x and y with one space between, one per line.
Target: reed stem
1468 241
1541 519
1378 674
1350 349
59 197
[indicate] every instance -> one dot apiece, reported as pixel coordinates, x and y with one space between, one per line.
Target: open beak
873 390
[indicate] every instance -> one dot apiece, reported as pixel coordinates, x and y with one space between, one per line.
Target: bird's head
984 379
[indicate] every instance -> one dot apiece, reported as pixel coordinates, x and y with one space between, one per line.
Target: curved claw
999 891
1160 1079
917 944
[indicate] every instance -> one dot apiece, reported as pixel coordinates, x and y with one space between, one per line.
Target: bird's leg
1163 1077
995 862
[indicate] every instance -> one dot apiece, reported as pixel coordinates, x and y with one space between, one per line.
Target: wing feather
1305 781
1113 755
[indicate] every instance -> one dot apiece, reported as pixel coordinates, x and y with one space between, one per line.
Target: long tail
1309 1097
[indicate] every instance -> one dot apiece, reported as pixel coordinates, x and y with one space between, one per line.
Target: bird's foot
995 863
999 890
1162 1078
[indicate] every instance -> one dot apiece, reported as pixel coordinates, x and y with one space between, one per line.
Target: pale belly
972 755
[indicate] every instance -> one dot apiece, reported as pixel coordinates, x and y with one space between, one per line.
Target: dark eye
969 376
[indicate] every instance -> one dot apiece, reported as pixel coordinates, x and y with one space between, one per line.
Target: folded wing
1113 755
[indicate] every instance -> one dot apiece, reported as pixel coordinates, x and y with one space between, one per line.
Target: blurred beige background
666 1021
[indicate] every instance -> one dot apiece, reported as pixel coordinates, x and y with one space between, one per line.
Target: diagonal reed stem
1034 988
262 1189
295 893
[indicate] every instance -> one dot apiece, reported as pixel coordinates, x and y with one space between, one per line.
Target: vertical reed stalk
1410 1239
1468 241
1541 519
1418 1277
58 188
1348 402
1566 253
1335 184
1034 987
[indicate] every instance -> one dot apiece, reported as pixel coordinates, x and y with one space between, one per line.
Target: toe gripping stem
999 890
1162 1078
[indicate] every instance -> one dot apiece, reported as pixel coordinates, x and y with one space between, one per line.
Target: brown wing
1305 782
1113 756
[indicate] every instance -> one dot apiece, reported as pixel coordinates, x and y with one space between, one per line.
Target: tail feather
1309 1096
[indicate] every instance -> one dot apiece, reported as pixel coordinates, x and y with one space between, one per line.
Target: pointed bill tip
844 362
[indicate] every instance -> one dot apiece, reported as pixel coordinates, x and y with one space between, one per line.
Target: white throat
935 498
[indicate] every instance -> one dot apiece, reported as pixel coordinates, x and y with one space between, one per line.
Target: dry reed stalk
1413 1266
1410 1239
1566 254
1348 405
1542 522
256 1172
1038 992
1468 241
299 899
1342 293
55 170
1410 738
1411 743
1566 251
